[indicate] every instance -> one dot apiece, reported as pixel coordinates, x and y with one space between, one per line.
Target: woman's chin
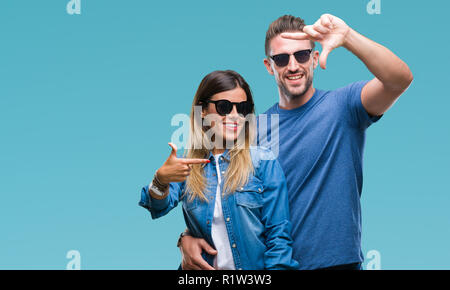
231 139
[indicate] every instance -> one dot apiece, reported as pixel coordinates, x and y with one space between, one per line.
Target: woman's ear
204 113
268 66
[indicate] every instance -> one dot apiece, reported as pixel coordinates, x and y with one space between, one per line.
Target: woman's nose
233 113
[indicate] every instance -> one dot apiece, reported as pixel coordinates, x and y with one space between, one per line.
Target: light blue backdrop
86 102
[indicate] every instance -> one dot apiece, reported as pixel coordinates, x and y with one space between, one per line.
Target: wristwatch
158 188
155 190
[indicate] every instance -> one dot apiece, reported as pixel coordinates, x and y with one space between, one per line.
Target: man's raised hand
330 31
176 169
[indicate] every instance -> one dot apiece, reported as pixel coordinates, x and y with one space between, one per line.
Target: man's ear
268 66
316 55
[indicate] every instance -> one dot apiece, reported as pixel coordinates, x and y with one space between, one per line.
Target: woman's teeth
231 126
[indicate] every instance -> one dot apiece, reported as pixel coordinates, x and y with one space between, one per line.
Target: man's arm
392 75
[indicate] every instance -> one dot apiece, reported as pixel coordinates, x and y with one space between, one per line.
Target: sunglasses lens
281 59
224 107
302 56
244 108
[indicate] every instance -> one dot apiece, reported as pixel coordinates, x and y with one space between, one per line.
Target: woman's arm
159 207
164 193
275 216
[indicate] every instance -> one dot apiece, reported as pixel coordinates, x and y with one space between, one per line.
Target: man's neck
287 103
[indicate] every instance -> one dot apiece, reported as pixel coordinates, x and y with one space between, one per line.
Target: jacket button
259 189
228 219
233 245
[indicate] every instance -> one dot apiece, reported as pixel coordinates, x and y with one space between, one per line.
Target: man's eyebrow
294 51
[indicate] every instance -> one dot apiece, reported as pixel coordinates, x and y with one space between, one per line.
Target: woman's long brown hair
240 166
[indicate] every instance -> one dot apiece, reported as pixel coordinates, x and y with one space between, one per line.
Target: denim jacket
256 215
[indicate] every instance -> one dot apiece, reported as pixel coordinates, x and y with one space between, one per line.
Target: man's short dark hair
286 23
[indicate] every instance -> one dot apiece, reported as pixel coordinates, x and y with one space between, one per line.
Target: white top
224 258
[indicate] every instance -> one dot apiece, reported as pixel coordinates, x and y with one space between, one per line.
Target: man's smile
295 78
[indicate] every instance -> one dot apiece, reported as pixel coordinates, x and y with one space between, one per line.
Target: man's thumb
210 250
323 57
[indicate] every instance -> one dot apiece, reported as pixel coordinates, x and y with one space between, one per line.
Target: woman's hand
176 169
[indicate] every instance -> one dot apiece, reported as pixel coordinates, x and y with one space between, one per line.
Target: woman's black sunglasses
224 107
282 59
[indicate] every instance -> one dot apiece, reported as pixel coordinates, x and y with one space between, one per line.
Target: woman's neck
217 151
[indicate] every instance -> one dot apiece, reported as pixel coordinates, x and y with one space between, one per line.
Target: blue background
86 103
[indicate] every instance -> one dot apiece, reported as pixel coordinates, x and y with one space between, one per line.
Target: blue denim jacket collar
225 155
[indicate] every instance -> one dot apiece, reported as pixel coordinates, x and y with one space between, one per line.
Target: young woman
234 195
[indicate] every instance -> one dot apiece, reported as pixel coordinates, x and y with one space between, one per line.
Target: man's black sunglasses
282 59
224 107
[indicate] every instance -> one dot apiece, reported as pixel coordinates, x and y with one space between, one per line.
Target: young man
322 137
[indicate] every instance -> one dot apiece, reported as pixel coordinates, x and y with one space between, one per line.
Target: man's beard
299 95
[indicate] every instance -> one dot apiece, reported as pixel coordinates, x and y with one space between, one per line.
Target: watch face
156 190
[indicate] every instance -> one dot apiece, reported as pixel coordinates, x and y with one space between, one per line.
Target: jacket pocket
189 204
250 195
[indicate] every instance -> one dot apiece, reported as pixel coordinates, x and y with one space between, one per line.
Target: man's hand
330 31
191 252
392 75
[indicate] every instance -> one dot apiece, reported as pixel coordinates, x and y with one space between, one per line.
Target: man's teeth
231 125
295 77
